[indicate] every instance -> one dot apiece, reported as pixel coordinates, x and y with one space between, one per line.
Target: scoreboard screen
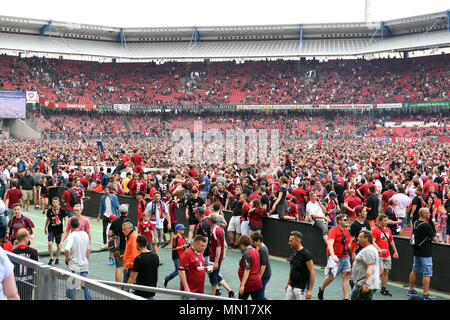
12 104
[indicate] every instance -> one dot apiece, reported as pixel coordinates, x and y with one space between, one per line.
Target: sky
177 13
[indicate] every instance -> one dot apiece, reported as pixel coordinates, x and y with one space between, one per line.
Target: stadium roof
323 39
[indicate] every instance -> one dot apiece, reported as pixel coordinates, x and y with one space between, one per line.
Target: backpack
21 166
73 198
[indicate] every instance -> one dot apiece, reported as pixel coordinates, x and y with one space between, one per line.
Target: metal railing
168 293
38 281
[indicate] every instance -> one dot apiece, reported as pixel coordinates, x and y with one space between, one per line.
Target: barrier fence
38 281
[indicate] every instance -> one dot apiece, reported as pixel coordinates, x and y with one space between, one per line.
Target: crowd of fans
253 82
67 124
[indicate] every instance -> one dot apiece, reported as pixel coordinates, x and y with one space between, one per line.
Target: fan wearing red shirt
339 243
249 265
216 250
256 215
350 203
382 237
192 267
12 197
387 195
146 228
132 185
136 158
300 194
363 191
427 185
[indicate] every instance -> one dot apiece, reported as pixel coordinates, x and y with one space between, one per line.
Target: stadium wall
276 237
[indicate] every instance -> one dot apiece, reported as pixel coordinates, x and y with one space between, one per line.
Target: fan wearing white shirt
403 202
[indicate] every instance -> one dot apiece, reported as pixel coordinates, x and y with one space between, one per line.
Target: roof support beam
431 27
194 38
48 27
301 39
121 39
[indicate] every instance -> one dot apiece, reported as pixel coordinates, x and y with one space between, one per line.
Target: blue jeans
126 275
354 294
176 264
263 289
87 292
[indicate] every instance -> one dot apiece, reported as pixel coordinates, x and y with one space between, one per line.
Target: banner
392 139
66 105
122 107
427 104
389 105
32 97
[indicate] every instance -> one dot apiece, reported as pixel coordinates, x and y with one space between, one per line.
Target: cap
212 217
3 227
179 227
333 194
123 208
199 210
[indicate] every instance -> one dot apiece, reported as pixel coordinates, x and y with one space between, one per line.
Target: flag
100 146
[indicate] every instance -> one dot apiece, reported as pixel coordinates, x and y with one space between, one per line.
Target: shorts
295 293
215 277
172 227
255 228
27 195
385 263
448 230
158 236
234 225
193 220
118 260
333 268
322 226
244 228
423 265
54 236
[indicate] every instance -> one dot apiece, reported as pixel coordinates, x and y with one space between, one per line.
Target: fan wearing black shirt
357 226
301 275
423 254
145 268
54 227
25 275
372 204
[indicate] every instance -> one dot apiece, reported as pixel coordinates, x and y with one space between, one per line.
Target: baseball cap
333 194
3 227
199 210
212 217
179 227
123 208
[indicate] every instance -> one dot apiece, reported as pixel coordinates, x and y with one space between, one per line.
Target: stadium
332 109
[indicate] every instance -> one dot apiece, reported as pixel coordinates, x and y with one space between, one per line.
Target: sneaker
412 293
218 292
386 293
231 294
165 282
428 297
57 261
104 246
320 294
165 244
111 261
50 262
160 263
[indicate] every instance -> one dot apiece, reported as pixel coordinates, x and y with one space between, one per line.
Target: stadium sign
32 97
66 105
427 104
122 107
389 105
